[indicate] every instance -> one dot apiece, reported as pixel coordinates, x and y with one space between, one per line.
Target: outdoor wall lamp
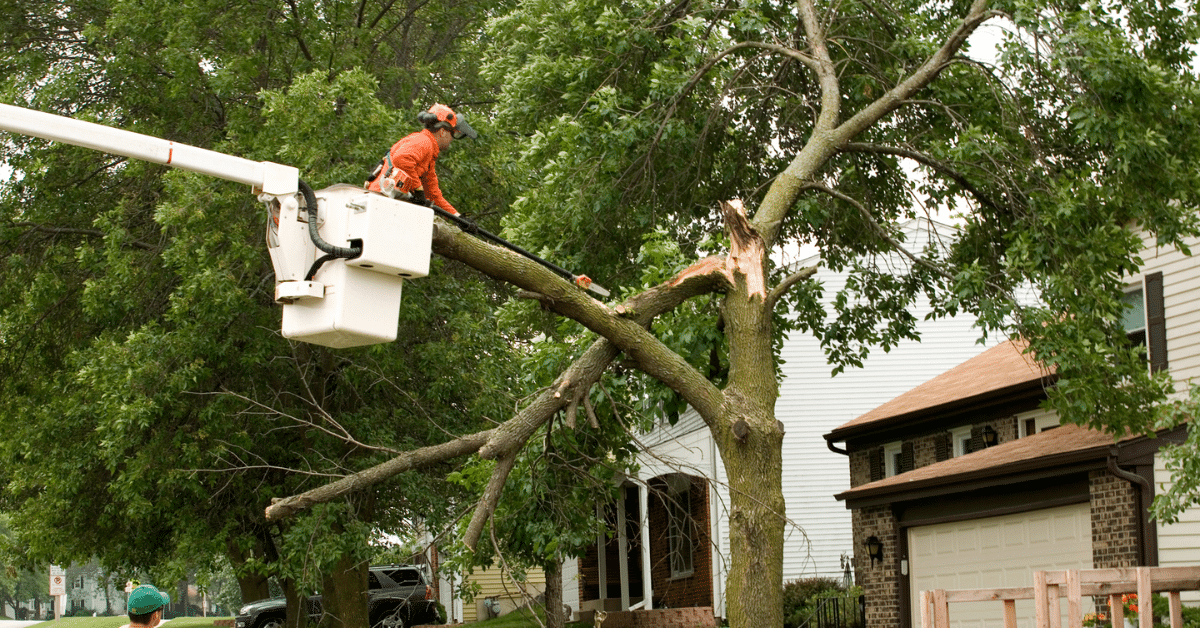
874 549
990 437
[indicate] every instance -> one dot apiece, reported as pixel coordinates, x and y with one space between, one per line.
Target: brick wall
1115 507
693 590
880 581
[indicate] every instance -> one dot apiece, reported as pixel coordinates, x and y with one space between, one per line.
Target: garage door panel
996 552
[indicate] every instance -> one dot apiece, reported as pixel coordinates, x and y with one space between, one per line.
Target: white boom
271 178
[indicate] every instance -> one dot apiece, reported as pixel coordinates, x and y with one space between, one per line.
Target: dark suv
397 596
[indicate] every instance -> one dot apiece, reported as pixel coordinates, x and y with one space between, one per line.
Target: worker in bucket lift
407 171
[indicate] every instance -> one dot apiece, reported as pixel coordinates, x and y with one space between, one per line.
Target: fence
842 611
1049 586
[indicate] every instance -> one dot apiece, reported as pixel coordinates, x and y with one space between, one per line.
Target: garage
1001 551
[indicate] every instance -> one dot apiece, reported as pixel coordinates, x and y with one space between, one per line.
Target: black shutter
1156 322
976 442
906 457
876 463
941 446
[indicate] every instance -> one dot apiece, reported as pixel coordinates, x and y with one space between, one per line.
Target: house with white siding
965 482
679 501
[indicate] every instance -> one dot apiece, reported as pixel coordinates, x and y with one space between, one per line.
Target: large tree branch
825 143
417 459
563 297
924 75
831 92
639 310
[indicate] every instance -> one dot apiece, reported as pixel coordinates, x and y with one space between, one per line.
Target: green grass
121 620
520 618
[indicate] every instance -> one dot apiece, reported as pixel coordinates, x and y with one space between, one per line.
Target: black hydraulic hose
471 227
312 270
333 252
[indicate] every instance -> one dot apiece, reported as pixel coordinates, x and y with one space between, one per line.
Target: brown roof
1065 444
1002 368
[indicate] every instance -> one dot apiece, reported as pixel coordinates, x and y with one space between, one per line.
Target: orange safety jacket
410 163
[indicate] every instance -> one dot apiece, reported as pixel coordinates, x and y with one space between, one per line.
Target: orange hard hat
440 116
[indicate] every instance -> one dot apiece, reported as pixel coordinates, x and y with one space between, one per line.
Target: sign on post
58 588
58 580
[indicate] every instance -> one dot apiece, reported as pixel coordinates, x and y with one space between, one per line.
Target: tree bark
555 617
297 605
344 595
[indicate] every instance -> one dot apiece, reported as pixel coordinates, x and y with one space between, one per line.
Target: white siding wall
1179 542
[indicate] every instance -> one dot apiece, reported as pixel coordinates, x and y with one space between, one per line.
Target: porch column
644 508
601 558
623 548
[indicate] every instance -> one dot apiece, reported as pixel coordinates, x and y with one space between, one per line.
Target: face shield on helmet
442 117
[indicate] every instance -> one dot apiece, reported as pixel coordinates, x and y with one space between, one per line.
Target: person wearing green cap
145 607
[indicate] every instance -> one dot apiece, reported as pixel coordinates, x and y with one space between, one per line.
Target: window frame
681 551
891 453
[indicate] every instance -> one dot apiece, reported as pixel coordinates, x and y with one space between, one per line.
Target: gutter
835 449
1145 492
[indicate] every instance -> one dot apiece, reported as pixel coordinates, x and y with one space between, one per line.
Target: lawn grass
520 618
121 620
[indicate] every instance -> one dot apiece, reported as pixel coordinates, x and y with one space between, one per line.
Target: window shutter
876 457
1156 322
976 442
941 447
906 457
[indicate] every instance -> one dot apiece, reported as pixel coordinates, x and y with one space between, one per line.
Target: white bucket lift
348 302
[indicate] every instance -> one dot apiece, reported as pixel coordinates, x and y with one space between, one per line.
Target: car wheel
393 619
271 622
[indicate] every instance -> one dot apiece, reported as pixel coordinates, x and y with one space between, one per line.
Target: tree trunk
253 586
555 618
296 605
344 595
751 439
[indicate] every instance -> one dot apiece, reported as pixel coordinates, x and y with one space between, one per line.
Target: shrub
798 598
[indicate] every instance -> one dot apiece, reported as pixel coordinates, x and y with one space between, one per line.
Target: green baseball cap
146 599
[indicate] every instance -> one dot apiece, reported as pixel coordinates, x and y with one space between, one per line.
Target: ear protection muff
440 116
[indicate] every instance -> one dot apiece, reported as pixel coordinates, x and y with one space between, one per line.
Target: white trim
959 437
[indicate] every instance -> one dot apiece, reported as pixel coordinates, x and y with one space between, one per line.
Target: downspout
1144 488
835 449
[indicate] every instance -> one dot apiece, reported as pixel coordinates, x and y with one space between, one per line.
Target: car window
406 576
373 581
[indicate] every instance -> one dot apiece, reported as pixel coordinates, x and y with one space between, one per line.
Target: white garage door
996 552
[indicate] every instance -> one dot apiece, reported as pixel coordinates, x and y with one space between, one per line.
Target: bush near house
800 598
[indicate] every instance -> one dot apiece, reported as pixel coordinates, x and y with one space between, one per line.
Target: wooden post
1053 606
926 619
941 609
1074 600
1176 610
1116 610
1010 614
1040 603
1145 598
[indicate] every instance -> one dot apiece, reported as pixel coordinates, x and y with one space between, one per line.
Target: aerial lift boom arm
270 178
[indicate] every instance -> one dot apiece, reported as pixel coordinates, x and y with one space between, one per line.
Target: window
77 583
1036 421
1145 319
892 453
679 525
960 440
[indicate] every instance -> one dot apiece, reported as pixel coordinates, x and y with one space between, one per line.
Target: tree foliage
615 134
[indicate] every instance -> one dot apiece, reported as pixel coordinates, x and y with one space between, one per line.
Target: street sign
58 580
